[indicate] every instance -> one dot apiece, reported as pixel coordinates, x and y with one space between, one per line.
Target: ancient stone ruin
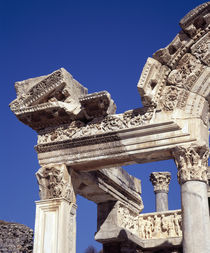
15 238
82 143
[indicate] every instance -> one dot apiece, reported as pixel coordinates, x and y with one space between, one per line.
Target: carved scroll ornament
191 163
110 123
55 182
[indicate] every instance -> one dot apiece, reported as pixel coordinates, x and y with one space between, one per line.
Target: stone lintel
135 145
109 185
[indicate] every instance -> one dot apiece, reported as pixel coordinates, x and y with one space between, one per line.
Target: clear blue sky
104 44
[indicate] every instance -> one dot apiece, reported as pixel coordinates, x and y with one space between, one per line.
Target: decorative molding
55 182
192 163
109 124
160 181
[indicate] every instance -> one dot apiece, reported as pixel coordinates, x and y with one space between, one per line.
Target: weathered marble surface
55 226
195 217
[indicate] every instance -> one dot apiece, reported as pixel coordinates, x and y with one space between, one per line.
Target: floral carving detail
112 123
54 182
78 129
160 181
191 163
169 99
187 72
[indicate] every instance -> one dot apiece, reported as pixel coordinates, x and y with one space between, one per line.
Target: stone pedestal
55 226
192 175
160 181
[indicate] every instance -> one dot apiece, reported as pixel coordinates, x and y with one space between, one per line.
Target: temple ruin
82 144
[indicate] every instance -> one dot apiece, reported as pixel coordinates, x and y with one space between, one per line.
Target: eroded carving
187 72
201 49
55 182
110 123
160 225
127 218
160 181
58 99
191 163
150 226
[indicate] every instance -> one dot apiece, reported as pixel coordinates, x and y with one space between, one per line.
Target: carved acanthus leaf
191 163
55 182
160 181
110 123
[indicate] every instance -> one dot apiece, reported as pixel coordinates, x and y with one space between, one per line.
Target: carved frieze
127 219
110 123
150 226
191 163
160 181
160 225
55 182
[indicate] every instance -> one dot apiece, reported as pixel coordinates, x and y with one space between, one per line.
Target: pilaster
55 224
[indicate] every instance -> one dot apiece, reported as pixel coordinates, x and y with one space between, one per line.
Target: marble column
192 175
160 181
55 224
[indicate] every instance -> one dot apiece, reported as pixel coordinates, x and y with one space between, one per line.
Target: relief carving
55 182
191 163
127 219
110 123
169 98
160 181
201 49
187 72
150 226
160 225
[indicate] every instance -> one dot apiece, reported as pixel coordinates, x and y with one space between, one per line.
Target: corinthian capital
160 181
192 163
55 182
